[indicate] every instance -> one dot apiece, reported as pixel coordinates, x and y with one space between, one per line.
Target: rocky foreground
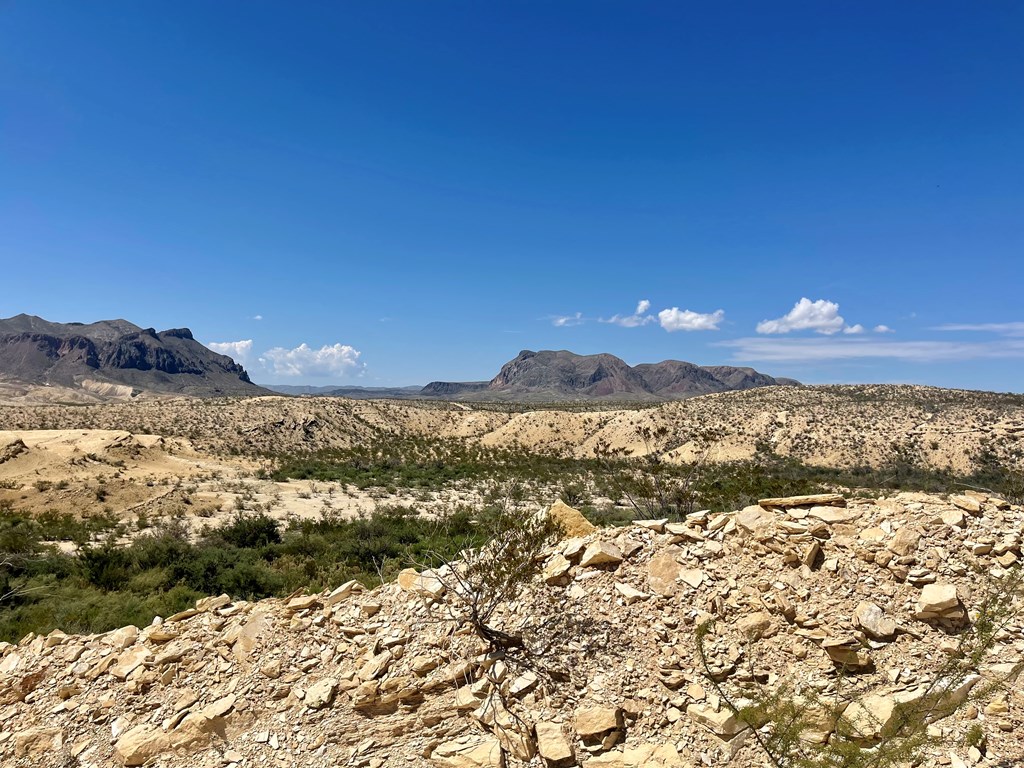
799 589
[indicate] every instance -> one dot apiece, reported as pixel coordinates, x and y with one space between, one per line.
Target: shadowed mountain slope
562 375
116 353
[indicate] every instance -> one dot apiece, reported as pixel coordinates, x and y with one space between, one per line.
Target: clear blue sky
425 188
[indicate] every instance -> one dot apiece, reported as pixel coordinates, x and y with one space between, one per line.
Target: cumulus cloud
638 318
303 360
854 329
257 317
840 348
685 320
236 350
883 329
567 321
1004 329
821 316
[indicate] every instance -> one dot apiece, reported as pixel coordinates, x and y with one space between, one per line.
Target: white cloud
336 360
883 329
854 329
685 320
567 321
1005 329
821 316
839 348
257 317
236 350
638 318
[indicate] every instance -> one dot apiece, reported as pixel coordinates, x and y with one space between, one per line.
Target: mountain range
559 376
116 357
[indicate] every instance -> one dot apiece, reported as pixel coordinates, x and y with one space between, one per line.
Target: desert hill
113 359
831 426
552 376
610 676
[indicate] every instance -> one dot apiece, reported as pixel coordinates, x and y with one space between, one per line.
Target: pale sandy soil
198 460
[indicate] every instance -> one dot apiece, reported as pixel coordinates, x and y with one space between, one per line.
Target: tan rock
141 743
376 666
629 593
343 592
658 526
663 572
872 619
38 742
321 694
469 752
641 756
601 553
755 519
966 503
220 707
830 514
693 577
593 721
122 638
212 603
571 521
936 599
905 542
427 584
552 744
302 603
555 569
953 518
243 637
128 661
754 626
811 500
722 722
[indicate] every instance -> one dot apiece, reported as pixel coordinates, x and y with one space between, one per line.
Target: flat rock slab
814 499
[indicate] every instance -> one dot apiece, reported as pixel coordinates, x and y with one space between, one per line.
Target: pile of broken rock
869 594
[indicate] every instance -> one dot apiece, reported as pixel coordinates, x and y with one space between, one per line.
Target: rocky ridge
552 376
833 426
383 677
115 359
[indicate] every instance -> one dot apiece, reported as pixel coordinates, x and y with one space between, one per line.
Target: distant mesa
562 376
116 359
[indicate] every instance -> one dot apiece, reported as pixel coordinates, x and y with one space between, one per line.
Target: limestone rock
469 752
630 594
555 569
141 743
830 514
722 722
571 521
641 756
966 503
601 553
38 742
937 600
906 541
754 626
552 744
872 619
321 694
812 500
663 572
754 519
593 721
343 592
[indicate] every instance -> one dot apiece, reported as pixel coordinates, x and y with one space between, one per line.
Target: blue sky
393 192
